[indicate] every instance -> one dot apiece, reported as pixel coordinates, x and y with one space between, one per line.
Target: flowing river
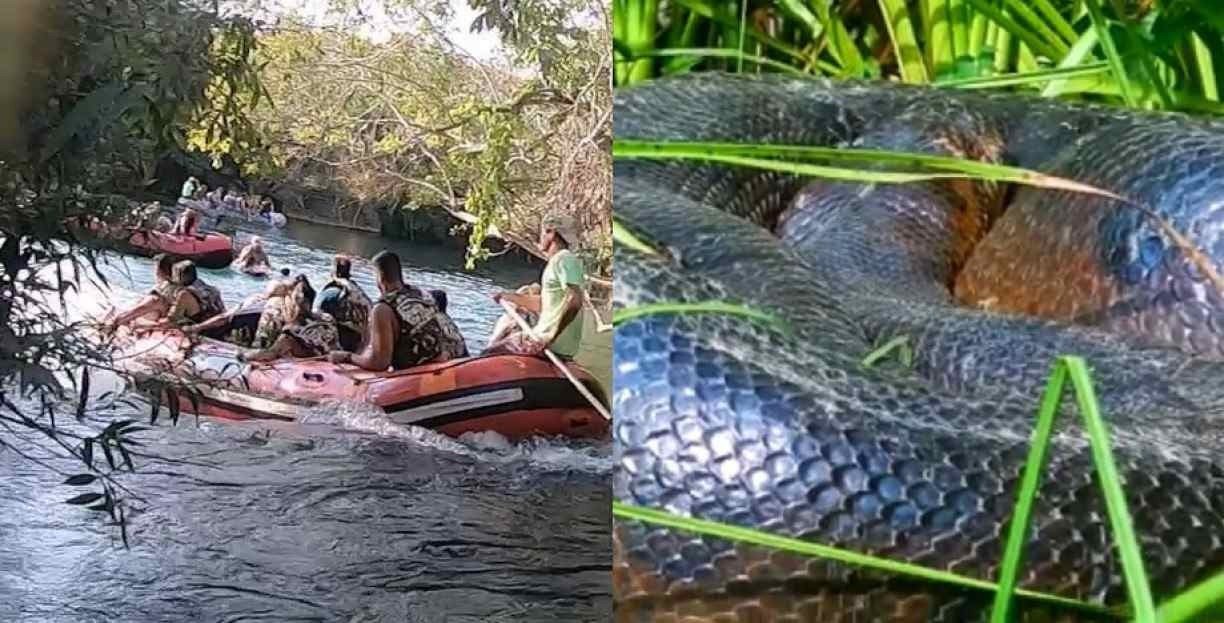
344 516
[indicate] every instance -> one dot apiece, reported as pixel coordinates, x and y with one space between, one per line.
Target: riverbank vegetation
103 90
414 121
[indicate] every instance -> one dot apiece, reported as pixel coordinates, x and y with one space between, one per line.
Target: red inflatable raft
509 394
210 250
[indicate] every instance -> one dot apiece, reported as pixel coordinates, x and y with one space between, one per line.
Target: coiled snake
727 419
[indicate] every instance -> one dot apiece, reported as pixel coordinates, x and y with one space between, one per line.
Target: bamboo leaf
83 499
80 479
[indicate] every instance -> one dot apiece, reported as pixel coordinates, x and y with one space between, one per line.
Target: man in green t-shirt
559 304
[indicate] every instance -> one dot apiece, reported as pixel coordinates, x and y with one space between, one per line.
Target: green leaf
98 109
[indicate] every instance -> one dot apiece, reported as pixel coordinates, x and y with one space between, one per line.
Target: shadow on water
343 517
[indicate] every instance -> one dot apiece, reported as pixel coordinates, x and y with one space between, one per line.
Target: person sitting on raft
302 334
559 304
233 202
403 330
215 196
159 299
454 335
188 223
506 326
190 187
253 257
242 326
194 300
345 301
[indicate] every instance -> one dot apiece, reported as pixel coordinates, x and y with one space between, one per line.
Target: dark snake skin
723 418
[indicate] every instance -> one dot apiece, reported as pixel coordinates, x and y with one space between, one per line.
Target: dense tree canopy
416 122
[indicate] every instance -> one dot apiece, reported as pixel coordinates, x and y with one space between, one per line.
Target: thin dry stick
586 393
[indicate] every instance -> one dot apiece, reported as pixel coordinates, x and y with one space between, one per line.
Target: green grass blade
719 17
755 156
1204 598
800 11
1111 53
958 23
726 53
1004 49
1051 16
979 29
621 235
940 56
1024 13
904 42
743 29
806 548
900 344
1137 587
1037 43
705 307
1017 534
845 174
1204 67
1081 51
1032 77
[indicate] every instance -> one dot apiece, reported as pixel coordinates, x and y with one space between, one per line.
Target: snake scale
723 418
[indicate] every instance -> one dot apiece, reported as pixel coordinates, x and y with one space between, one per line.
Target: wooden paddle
586 393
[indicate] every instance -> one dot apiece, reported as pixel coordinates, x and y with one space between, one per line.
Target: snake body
723 418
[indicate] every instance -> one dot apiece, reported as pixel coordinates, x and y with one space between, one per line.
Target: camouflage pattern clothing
456 347
315 335
422 338
271 322
353 310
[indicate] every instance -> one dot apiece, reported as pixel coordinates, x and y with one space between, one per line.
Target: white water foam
544 454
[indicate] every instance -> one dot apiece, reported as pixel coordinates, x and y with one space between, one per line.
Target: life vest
209 299
421 337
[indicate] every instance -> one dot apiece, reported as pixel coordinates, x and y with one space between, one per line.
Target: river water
343 517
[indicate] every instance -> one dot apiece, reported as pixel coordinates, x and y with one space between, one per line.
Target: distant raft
209 250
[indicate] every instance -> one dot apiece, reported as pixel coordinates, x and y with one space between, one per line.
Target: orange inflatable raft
509 394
